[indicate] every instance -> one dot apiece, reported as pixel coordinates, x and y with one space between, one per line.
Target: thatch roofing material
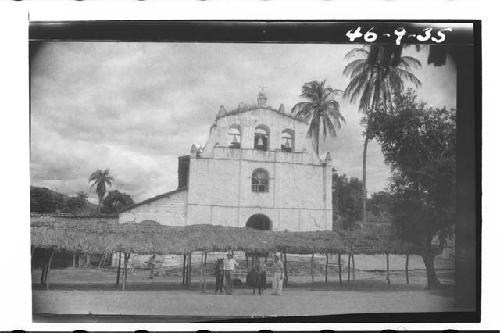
98 237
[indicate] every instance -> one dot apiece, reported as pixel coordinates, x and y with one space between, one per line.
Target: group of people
224 272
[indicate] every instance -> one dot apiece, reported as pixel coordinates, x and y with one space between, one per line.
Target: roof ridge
155 198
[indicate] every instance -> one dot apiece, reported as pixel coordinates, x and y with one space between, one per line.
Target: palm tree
100 179
376 76
322 111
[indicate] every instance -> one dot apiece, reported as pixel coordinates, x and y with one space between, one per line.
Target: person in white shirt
229 264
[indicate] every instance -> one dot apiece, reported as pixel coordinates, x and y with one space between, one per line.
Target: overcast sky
135 107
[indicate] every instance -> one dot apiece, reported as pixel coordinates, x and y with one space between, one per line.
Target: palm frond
357 51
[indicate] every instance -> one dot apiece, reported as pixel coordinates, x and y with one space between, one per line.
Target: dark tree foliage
43 200
115 201
379 203
347 199
321 111
418 143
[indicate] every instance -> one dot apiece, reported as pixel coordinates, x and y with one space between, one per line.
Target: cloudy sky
135 107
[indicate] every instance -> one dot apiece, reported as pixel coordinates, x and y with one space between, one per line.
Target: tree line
417 141
46 201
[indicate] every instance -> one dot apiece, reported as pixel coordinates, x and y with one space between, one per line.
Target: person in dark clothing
219 275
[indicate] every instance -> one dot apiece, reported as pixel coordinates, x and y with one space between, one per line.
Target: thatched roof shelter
98 237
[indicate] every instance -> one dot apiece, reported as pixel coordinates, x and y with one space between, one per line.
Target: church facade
258 169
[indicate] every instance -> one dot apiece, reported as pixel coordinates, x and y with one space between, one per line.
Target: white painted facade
220 192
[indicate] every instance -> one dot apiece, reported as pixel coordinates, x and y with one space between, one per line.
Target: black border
304 31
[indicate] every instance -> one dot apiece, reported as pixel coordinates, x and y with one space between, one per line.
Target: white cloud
134 107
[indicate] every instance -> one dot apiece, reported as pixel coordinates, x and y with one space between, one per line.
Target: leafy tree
100 179
379 203
76 204
116 201
346 197
43 200
376 76
322 111
419 144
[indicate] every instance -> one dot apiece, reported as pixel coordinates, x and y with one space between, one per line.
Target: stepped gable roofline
153 199
248 108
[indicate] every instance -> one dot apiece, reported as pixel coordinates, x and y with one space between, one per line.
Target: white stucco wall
299 196
170 211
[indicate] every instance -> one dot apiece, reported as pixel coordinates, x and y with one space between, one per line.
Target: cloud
135 107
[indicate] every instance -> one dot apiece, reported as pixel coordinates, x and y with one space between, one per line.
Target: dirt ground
92 291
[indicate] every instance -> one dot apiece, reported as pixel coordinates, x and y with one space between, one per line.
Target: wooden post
353 268
312 270
189 271
406 269
339 263
184 269
286 272
204 272
74 260
49 263
31 261
87 260
119 268
348 268
387 268
42 276
201 269
126 256
326 269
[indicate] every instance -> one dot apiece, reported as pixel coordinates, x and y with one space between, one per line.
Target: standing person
261 275
219 275
278 276
152 264
229 264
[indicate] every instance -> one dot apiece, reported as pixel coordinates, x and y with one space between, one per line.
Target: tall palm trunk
365 145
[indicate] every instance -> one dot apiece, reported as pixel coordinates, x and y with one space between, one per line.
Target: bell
260 142
235 141
287 144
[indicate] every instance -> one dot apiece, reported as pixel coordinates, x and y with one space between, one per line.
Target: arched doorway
259 222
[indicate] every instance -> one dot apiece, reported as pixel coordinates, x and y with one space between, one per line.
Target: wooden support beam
353 268
189 270
118 269
339 263
49 263
205 272
348 268
406 269
184 270
387 270
326 269
312 270
126 257
286 271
